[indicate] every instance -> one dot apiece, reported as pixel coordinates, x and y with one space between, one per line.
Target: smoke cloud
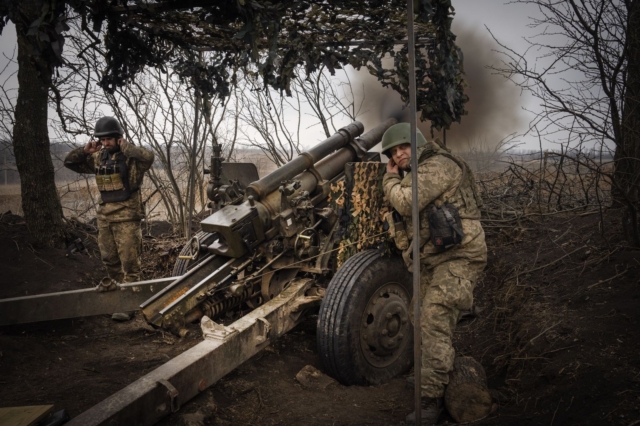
494 102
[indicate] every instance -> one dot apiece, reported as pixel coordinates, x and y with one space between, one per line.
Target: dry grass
552 185
535 216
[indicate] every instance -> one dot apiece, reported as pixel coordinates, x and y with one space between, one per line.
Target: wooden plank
23 416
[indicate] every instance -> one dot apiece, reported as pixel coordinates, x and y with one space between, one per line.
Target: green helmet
397 135
108 126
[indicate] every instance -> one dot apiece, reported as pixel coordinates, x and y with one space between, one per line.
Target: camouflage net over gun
361 205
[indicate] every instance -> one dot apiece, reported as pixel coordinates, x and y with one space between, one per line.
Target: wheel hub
385 325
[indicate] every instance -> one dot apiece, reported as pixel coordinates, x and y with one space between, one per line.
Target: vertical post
415 215
192 171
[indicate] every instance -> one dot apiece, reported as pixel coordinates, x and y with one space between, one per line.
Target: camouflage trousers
446 289
121 247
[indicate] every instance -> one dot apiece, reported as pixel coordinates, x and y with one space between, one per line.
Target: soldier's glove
106 284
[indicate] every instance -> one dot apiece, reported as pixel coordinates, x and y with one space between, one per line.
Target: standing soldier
453 252
119 168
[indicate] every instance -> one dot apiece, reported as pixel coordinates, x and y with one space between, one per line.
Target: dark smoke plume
493 107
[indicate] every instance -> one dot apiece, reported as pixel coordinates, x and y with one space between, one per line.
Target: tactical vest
466 186
112 178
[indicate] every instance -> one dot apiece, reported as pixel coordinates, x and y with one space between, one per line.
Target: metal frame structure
79 303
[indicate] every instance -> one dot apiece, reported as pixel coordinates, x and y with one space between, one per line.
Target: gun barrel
256 215
330 166
263 187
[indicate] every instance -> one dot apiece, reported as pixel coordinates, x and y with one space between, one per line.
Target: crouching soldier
453 252
119 169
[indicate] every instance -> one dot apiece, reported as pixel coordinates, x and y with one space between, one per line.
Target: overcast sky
508 22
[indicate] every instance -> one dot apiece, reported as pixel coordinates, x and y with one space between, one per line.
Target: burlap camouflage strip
360 200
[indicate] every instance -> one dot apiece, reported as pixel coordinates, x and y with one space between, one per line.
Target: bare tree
40 203
274 122
583 73
263 111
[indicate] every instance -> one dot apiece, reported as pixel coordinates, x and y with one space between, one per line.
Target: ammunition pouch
445 225
112 178
397 230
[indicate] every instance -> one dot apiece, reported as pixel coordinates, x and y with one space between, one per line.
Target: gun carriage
269 248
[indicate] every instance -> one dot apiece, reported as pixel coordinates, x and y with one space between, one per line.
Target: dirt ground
557 334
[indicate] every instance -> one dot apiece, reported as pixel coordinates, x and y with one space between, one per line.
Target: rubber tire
339 321
183 265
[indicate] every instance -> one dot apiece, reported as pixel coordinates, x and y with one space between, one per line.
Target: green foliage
269 40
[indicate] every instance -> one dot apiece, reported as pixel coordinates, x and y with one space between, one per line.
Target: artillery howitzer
270 248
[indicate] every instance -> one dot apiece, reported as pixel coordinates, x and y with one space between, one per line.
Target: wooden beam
23 416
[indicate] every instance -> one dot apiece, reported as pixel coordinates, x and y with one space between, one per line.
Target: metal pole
192 172
415 216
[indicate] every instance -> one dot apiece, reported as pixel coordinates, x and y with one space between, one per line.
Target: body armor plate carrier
112 178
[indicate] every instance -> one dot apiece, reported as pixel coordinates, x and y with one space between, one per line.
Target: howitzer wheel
364 331
183 265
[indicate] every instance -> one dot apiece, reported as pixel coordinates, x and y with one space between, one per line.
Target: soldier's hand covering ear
392 167
92 146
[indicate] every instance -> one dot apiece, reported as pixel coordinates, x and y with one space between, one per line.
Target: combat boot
431 410
106 284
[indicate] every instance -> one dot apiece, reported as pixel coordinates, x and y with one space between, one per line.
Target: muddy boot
106 284
431 410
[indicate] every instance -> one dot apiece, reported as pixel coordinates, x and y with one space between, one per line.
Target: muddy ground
558 336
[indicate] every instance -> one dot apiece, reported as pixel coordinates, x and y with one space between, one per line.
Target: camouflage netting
361 205
213 45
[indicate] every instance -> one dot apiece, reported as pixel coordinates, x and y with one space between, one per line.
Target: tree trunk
627 155
467 396
40 201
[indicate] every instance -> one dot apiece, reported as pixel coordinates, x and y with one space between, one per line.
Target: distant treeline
530 155
9 172
59 150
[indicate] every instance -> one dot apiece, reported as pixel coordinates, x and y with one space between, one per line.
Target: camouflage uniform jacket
138 161
440 179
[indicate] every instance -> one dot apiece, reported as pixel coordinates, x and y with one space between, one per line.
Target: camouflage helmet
108 126
397 135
